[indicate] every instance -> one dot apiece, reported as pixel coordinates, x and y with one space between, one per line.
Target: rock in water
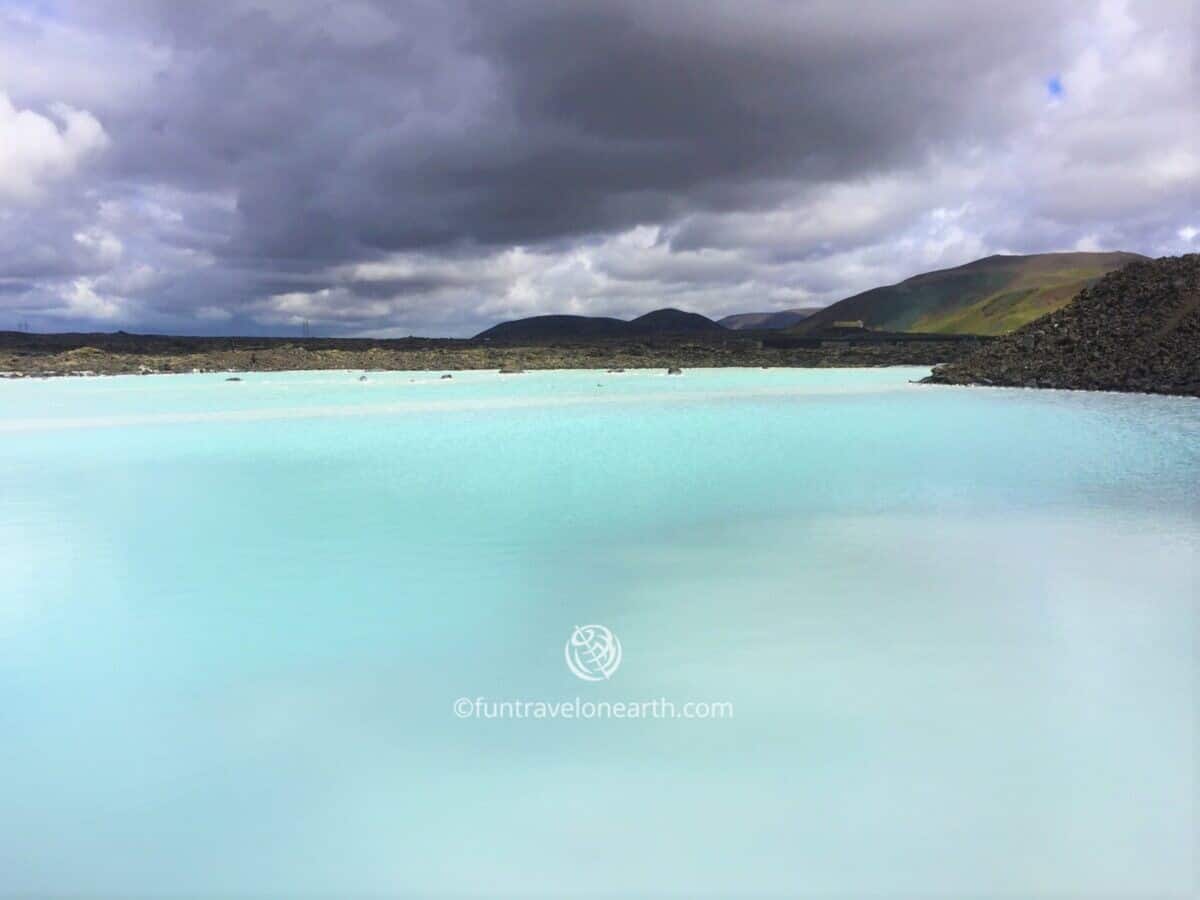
1136 329
674 370
233 379
447 375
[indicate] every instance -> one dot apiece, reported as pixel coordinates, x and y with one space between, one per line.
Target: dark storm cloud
517 123
274 149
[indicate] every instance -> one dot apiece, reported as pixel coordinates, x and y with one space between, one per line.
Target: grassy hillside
994 295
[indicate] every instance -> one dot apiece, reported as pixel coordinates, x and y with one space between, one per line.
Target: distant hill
994 295
1137 329
544 329
784 318
674 321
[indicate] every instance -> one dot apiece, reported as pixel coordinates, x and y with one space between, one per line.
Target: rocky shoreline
37 355
1136 330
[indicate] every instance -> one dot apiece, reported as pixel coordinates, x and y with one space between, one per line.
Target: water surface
957 627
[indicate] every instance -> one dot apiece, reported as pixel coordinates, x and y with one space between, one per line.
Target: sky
395 168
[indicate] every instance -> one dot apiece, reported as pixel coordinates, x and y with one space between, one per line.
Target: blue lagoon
955 630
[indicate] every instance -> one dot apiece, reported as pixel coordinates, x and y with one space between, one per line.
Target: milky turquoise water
957 626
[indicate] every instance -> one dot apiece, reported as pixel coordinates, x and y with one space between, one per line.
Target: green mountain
994 295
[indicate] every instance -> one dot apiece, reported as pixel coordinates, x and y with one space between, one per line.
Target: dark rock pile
1137 329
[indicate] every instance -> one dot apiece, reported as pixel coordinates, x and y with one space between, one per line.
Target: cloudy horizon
434 168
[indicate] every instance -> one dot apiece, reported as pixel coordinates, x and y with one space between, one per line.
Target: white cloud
44 58
36 149
1124 140
83 302
134 279
104 246
325 305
